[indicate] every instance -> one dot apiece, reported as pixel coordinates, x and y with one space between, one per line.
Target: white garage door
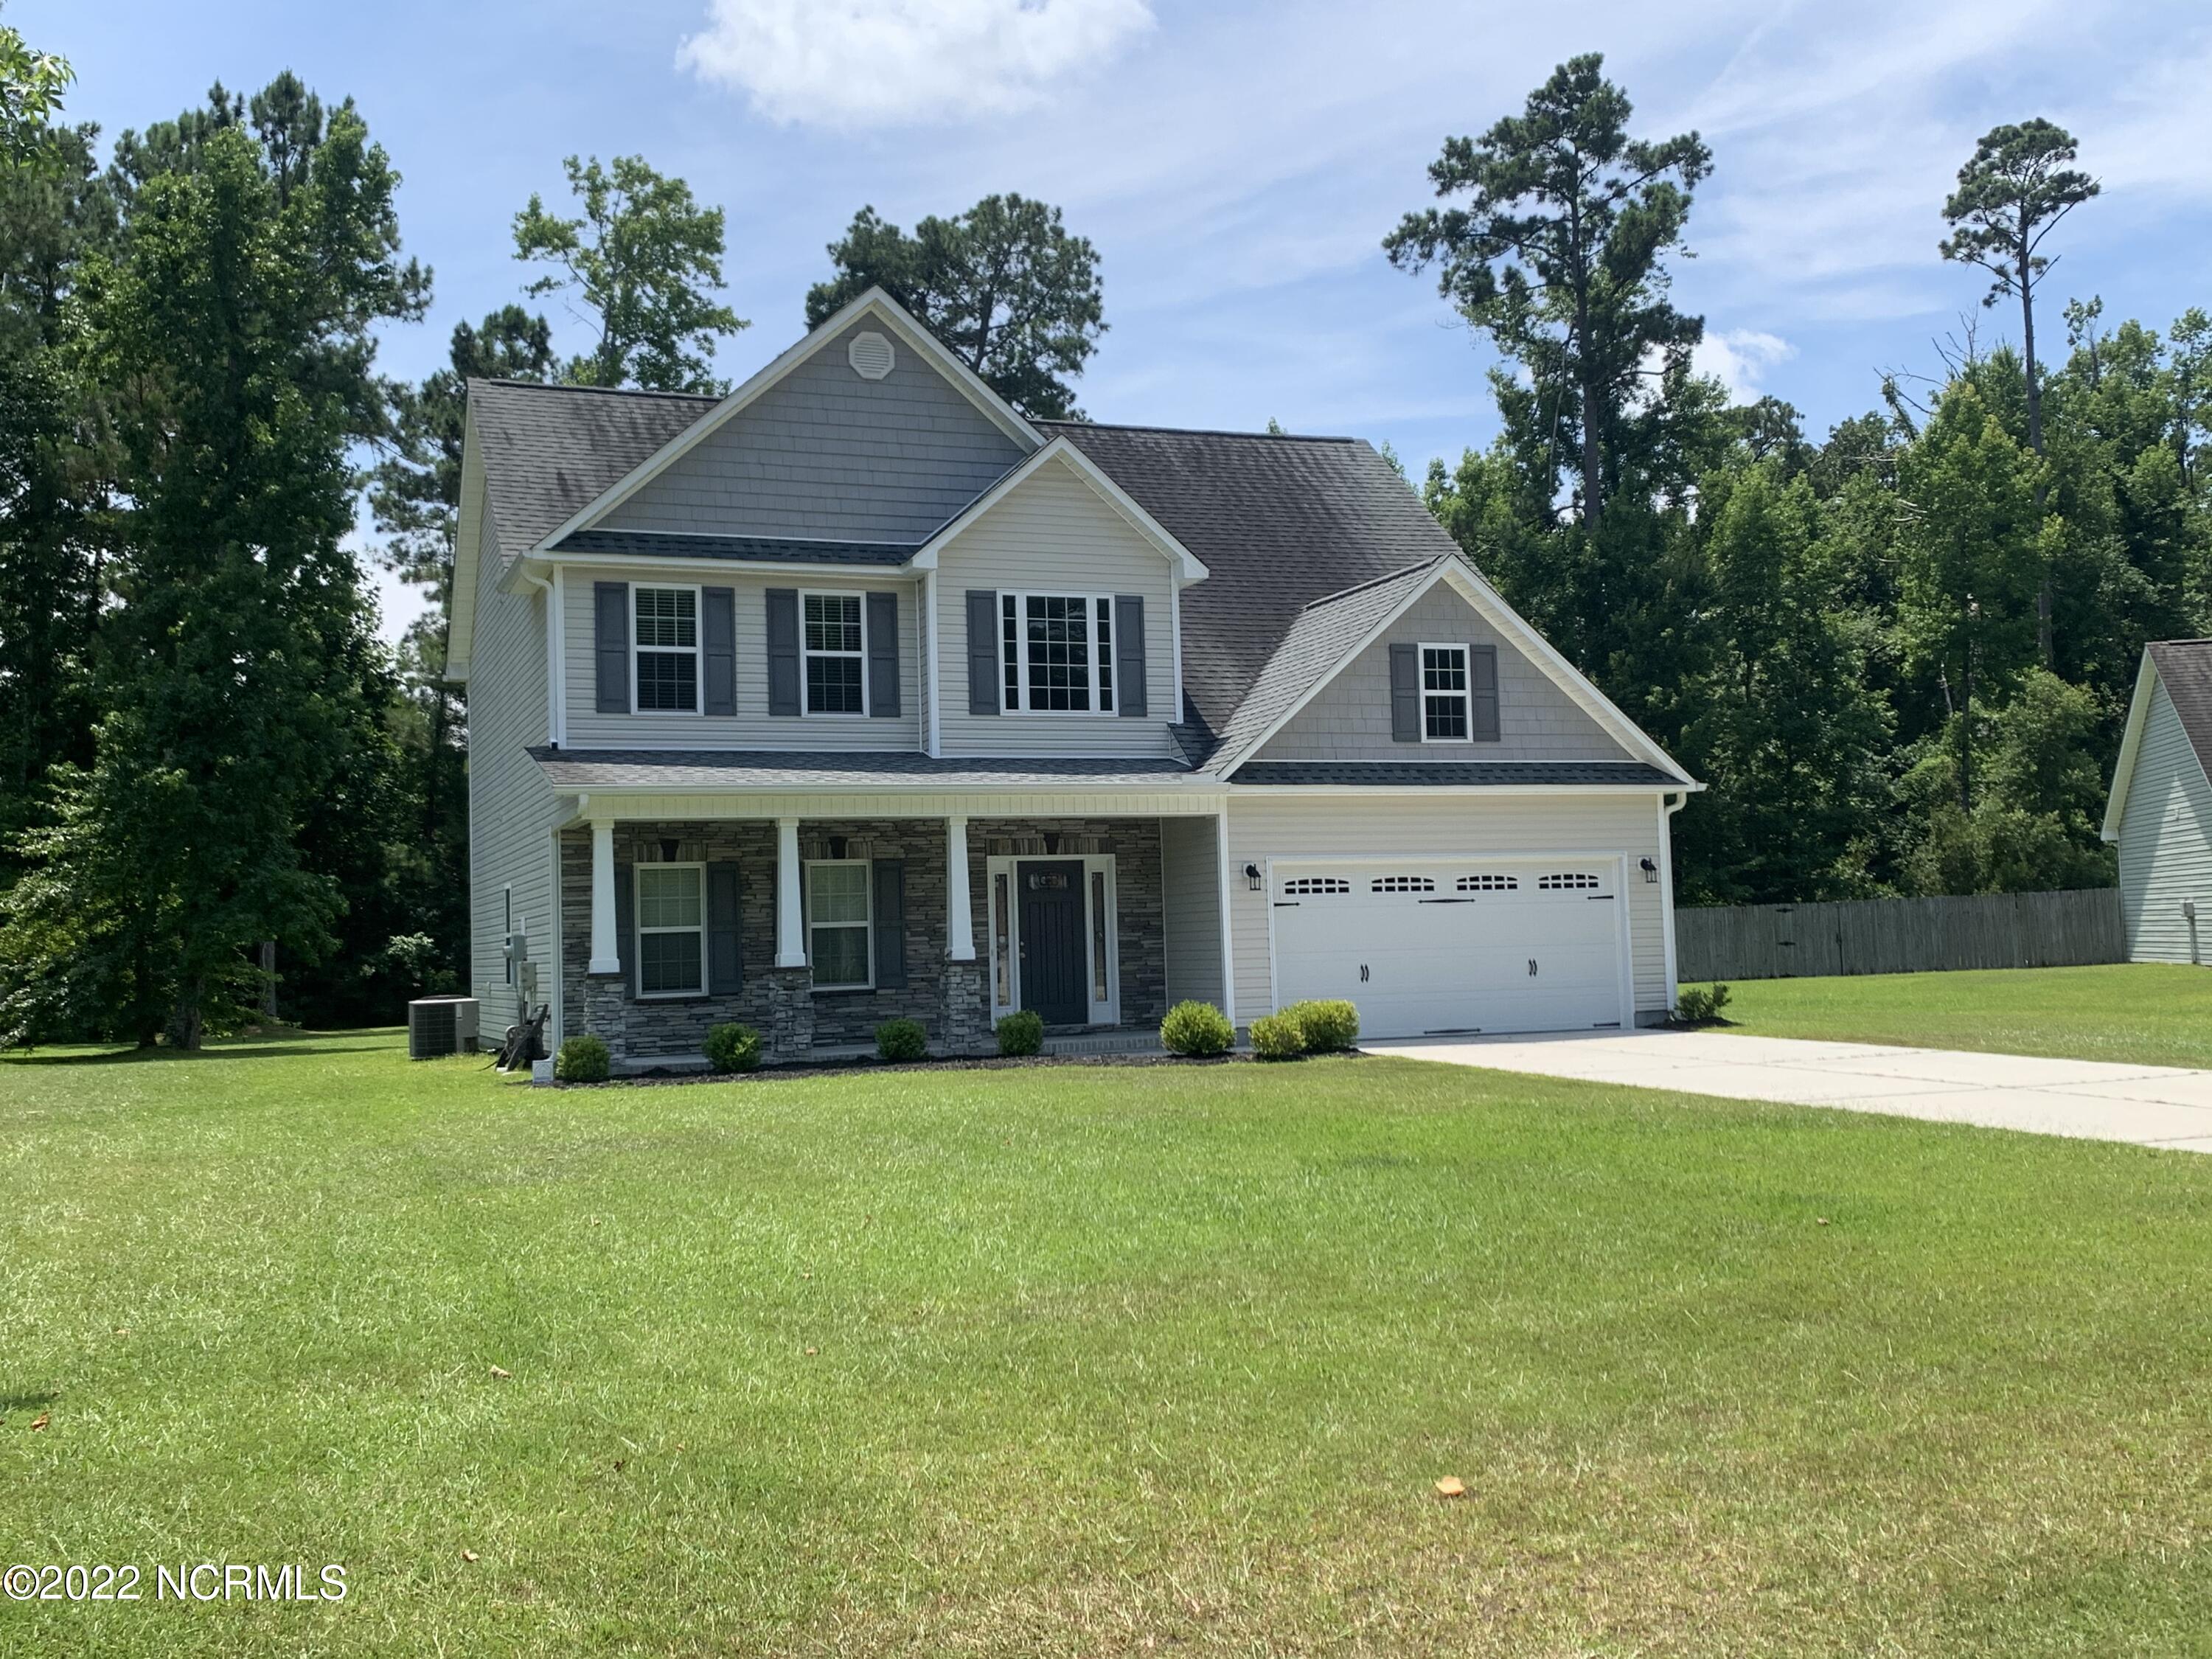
1454 945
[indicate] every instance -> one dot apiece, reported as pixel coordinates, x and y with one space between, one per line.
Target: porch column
606 957
790 937
959 911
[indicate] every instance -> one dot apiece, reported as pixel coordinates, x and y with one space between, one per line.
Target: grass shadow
307 1042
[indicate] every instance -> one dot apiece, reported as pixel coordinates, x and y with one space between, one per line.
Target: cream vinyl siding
1349 717
1191 882
827 455
2166 842
1372 825
751 727
511 811
1053 533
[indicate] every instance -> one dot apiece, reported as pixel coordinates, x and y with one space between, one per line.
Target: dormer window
667 649
1057 652
1446 696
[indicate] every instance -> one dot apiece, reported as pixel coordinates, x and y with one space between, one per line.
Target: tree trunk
1966 731
2046 644
187 1019
269 980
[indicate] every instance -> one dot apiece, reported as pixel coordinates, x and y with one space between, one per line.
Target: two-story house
854 694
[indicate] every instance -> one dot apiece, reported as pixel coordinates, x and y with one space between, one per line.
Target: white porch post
1228 926
960 911
790 937
606 957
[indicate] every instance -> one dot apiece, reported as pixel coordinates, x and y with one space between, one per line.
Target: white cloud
1739 358
853 63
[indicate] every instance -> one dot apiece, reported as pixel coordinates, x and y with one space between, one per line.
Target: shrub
583 1059
901 1040
1279 1036
733 1047
1700 1004
1021 1033
1197 1028
1330 1027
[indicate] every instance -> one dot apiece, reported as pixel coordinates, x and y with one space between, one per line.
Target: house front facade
855 695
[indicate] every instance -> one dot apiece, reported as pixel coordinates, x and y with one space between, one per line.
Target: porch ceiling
678 771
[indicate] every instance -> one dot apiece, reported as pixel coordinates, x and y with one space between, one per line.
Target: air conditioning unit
442 1025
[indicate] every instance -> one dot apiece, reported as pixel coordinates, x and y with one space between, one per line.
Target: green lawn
1082 1361
2140 1013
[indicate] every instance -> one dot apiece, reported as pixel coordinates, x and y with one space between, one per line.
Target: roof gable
2184 667
1062 454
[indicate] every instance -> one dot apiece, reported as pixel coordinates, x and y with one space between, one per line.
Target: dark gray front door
1055 980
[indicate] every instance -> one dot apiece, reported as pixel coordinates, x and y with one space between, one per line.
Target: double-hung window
837 924
837 663
1447 700
671 929
1057 652
667 646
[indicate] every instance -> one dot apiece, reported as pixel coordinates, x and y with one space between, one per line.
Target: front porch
815 930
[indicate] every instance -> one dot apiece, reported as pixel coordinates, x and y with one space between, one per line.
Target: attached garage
1450 944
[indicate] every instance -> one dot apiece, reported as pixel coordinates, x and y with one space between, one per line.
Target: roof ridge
1205 432
605 390
1374 581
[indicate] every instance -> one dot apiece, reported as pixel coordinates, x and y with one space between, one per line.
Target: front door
1055 980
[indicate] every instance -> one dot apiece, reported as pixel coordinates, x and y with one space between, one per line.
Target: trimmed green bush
1021 1032
1197 1028
1700 1004
901 1040
733 1047
583 1059
1279 1036
1330 1027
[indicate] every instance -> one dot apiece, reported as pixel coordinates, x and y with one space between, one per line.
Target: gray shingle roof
1320 637
759 768
550 450
2185 668
1278 522
786 550
1397 774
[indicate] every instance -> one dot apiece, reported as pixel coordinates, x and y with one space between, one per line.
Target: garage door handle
1532 967
1362 973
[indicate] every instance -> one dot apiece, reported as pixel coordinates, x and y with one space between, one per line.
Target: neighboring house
2160 810
854 694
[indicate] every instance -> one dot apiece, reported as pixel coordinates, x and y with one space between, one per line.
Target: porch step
1104 1042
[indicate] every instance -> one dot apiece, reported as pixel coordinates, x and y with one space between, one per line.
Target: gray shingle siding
826 454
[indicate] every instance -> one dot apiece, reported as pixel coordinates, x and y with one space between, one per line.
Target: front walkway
2148 1105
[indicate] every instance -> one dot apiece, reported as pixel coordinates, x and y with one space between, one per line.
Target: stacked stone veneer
950 998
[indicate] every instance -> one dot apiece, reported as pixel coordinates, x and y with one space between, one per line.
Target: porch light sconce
1252 878
1651 870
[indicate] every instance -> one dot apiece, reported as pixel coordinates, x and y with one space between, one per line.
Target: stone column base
790 1031
602 1013
965 1026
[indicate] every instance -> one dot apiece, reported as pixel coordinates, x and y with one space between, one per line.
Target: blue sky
1239 163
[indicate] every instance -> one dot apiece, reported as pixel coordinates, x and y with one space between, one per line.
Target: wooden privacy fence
1899 936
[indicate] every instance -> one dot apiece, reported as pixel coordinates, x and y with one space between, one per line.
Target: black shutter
726 961
717 636
610 645
783 651
883 653
890 875
1482 682
626 929
1129 653
1405 694
982 652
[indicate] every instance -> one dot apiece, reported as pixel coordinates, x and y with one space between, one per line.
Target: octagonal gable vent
872 356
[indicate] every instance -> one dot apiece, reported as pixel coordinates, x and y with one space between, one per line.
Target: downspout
1668 806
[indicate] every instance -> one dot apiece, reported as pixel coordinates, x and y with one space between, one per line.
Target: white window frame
1102 666
806 713
1108 1012
867 925
697 649
639 930
1465 693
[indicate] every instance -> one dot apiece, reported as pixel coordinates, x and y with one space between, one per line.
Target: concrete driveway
2149 1105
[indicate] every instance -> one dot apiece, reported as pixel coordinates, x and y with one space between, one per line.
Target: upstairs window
1056 651
667 636
1446 711
837 661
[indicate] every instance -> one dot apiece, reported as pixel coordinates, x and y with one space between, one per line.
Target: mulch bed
976 1063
